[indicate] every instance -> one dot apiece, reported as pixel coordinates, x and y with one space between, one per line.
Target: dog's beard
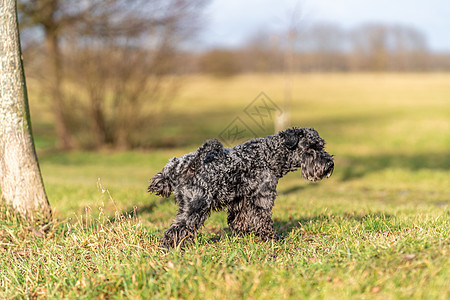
316 169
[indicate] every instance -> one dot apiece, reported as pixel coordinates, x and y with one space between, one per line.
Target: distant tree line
328 47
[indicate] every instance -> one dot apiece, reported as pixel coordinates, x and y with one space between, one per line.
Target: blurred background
117 87
131 74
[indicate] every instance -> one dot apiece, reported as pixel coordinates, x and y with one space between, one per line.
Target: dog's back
176 169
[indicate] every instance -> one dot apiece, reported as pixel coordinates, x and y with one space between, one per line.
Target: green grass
377 229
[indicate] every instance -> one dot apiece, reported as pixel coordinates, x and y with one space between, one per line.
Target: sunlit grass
378 228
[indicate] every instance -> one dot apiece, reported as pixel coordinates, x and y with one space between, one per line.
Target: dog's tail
162 183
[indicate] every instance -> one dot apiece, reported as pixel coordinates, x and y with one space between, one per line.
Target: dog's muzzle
329 169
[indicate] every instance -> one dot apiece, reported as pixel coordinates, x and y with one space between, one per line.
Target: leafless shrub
115 60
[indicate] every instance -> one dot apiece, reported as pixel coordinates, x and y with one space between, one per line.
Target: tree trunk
54 56
97 118
21 183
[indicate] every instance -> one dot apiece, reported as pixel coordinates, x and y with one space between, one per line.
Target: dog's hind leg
193 210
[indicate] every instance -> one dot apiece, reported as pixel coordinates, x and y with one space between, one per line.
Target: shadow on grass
321 224
292 189
137 211
354 166
378 221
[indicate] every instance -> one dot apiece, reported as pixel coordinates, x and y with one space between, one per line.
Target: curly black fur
242 179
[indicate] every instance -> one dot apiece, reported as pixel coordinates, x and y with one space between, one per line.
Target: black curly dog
242 179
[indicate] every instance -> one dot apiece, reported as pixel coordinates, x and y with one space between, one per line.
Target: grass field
377 229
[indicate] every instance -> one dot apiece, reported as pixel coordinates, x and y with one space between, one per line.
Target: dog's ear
292 137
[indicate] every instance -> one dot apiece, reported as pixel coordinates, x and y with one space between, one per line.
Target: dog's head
307 153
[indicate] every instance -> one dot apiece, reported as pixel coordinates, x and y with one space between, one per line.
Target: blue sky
230 22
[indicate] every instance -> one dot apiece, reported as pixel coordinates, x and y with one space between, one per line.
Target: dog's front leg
252 215
262 223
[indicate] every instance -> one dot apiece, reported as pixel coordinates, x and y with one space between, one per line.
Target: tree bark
21 184
96 114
